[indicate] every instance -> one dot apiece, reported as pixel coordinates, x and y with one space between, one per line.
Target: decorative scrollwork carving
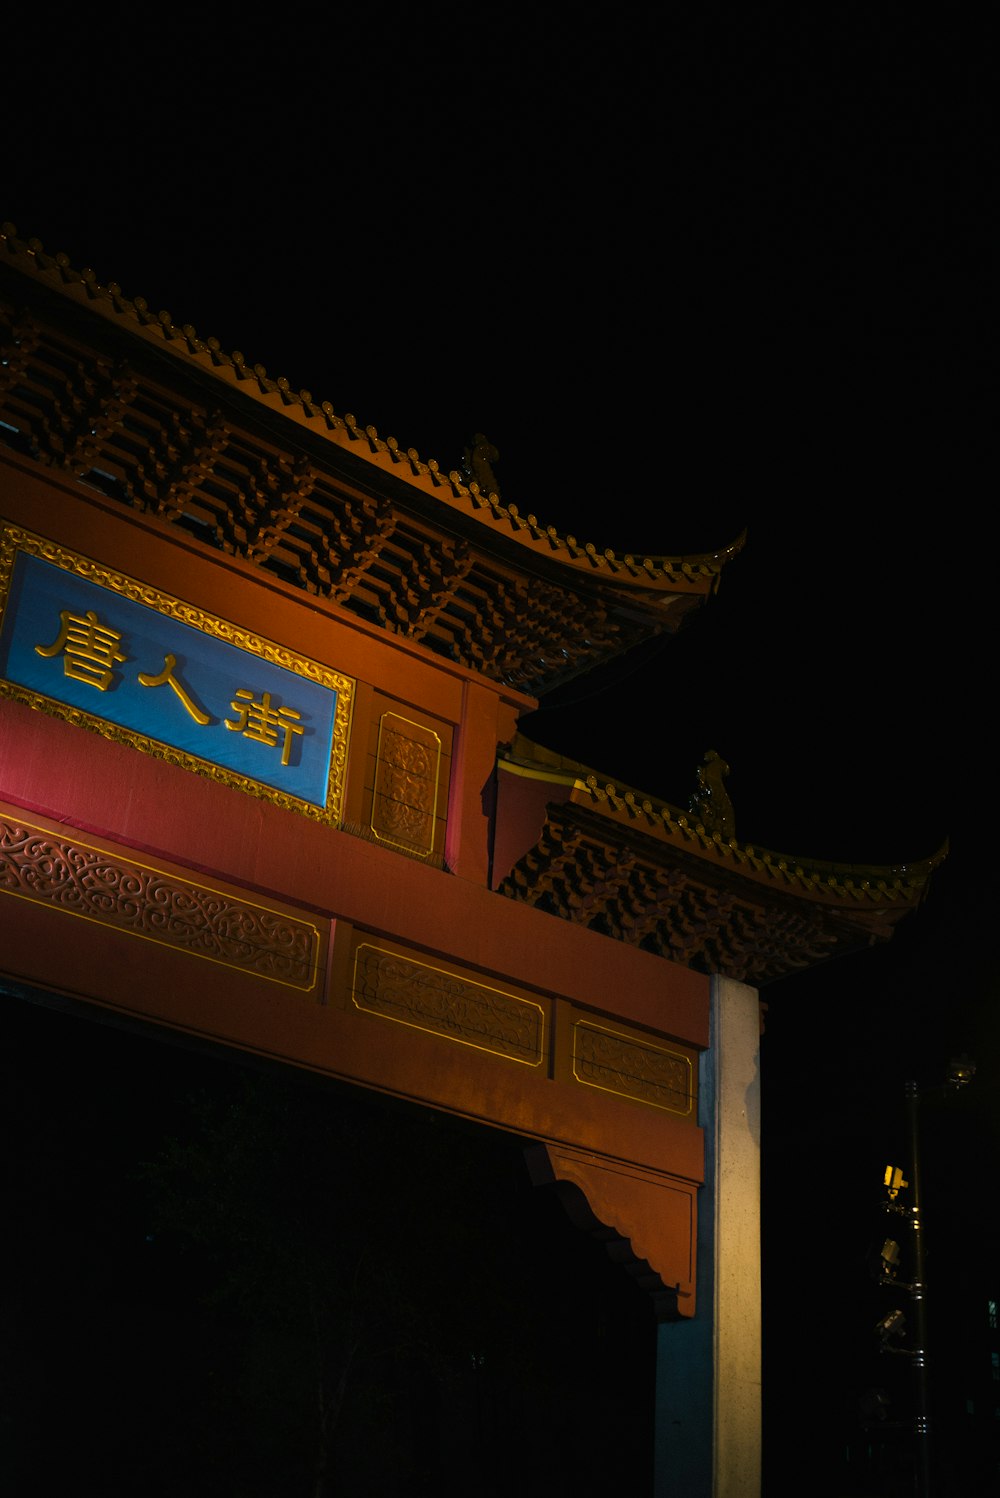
448 1005
142 901
632 1068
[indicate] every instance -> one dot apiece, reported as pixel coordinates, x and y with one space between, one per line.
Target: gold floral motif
632 1068
406 782
446 1004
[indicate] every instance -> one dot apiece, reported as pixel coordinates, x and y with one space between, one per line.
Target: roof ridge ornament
710 802
477 464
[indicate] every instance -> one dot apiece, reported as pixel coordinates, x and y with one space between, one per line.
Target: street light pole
960 1073
918 1296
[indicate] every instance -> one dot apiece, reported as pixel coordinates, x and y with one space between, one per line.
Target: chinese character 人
167 677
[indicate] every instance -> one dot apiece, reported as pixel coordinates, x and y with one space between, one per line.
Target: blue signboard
249 709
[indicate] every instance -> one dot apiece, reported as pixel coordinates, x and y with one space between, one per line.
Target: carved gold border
380 1007
382 837
640 1043
53 871
13 539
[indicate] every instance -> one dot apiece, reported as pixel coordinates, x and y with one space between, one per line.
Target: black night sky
692 276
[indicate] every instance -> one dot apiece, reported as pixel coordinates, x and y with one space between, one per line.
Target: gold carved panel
407 770
632 1067
66 874
447 1004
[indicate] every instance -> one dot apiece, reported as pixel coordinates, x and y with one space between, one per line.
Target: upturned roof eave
651 576
700 902
665 832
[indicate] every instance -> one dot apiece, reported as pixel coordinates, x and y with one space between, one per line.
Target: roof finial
478 464
710 801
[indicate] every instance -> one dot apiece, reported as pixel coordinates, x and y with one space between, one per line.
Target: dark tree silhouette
231 1281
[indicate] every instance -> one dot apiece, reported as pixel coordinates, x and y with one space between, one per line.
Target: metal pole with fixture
918 1298
886 1264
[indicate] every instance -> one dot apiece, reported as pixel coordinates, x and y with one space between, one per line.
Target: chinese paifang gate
299 656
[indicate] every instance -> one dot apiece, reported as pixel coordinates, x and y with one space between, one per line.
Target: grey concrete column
737 1291
708 1381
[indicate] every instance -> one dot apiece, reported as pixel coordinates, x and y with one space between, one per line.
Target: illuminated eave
644 872
547 606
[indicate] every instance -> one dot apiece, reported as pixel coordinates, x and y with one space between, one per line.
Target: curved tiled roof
452 488
124 400
645 872
293 489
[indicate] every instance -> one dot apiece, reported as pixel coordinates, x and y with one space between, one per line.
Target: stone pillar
708 1375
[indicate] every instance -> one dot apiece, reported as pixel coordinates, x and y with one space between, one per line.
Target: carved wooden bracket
646 1220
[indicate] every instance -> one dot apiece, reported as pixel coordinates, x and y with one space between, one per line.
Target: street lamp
960 1073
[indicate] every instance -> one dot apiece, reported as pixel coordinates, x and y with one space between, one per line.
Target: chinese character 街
262 722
